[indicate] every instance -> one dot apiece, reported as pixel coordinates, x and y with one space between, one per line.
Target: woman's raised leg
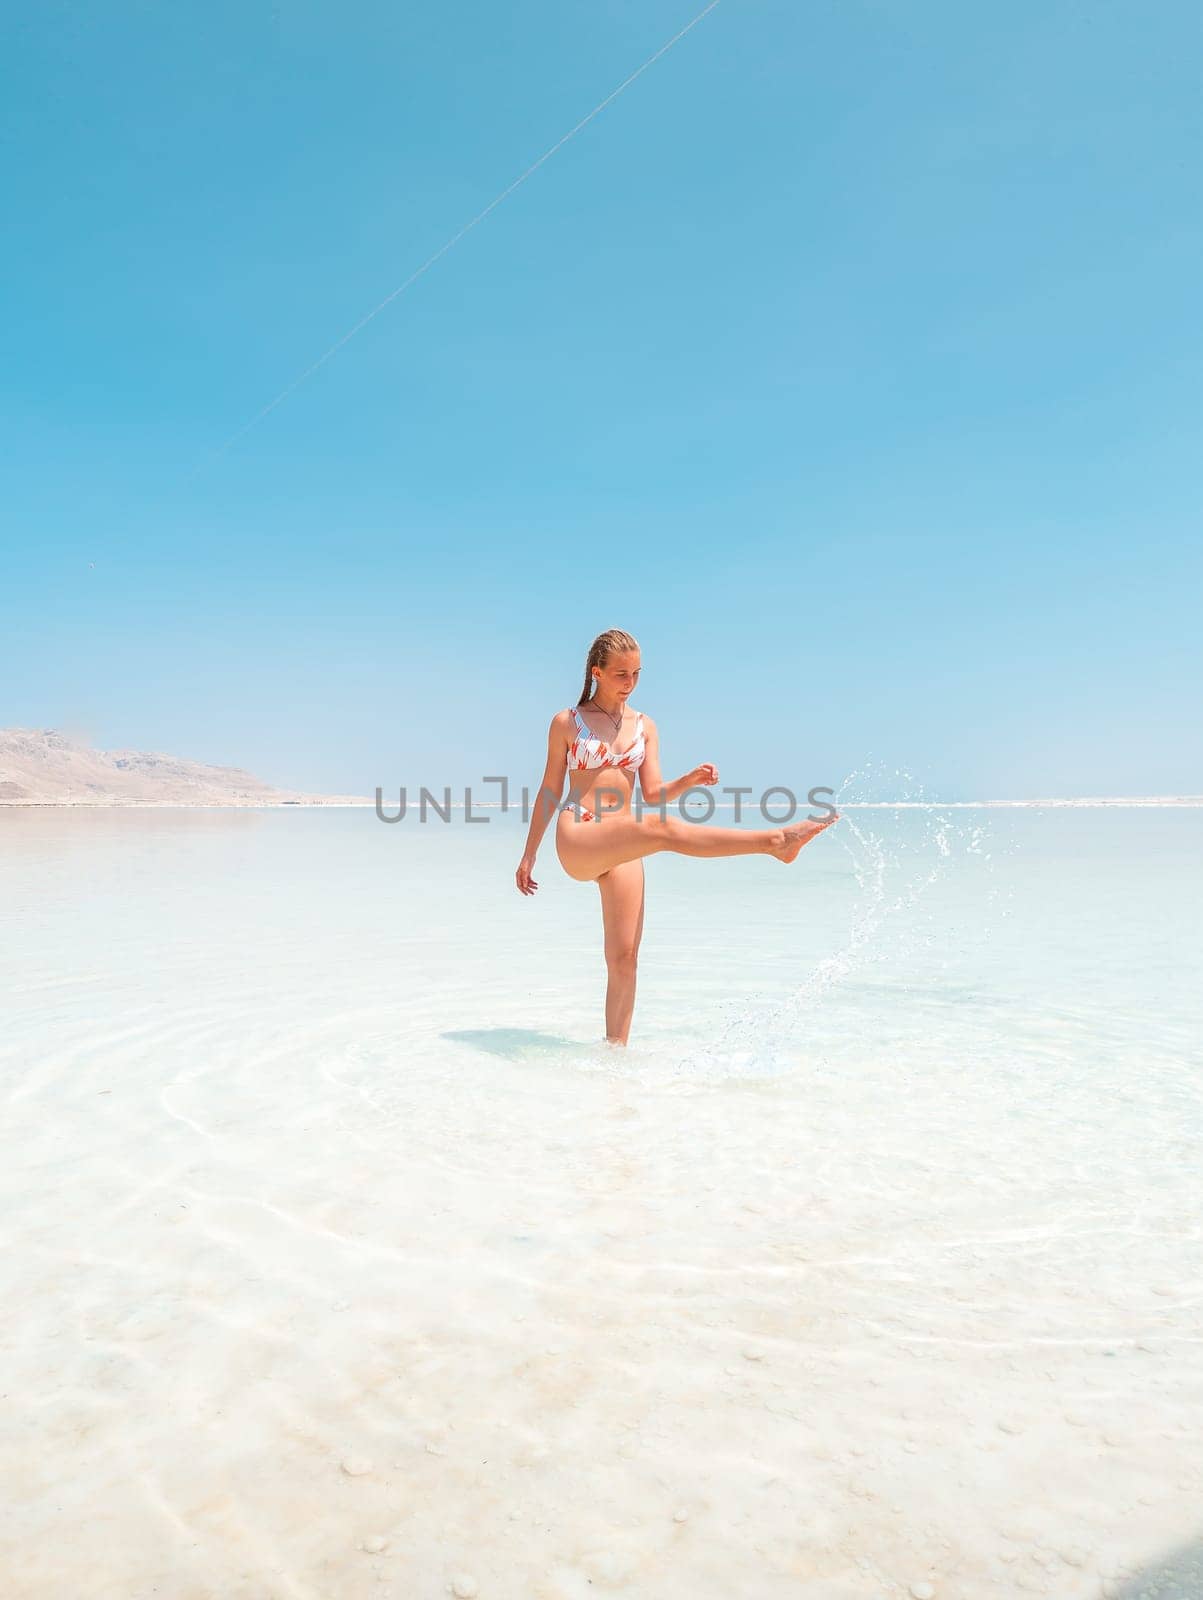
590 848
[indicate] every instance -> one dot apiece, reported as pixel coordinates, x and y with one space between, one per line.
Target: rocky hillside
41 765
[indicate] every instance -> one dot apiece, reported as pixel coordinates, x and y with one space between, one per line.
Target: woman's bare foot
801 833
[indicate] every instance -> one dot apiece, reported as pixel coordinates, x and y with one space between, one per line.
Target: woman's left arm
652 785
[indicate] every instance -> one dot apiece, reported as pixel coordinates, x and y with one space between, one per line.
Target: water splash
893 875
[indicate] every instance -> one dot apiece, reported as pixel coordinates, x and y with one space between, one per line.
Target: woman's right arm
547 801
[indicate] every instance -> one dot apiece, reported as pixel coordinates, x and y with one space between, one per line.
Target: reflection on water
510 1043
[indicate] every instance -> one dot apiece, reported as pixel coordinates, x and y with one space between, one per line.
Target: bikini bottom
583 812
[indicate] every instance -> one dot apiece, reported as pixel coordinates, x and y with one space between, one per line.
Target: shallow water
328 1220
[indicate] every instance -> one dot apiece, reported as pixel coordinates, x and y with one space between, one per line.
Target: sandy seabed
341 1260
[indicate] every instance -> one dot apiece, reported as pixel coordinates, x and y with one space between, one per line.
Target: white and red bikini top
587 751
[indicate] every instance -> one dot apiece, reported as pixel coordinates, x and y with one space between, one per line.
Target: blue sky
851 360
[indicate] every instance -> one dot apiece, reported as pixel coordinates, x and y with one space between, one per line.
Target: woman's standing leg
622 895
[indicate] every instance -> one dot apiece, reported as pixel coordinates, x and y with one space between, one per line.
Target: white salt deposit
341 1258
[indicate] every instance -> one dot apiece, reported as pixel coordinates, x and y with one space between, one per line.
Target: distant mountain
40 764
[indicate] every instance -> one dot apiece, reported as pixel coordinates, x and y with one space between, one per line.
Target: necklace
610 714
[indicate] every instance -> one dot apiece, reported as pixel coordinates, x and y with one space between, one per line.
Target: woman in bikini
602 743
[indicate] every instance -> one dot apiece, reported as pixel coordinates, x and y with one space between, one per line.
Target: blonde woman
602 744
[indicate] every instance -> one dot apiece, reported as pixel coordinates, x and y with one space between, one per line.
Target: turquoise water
874 1262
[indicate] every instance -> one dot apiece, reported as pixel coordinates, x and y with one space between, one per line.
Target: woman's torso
602 766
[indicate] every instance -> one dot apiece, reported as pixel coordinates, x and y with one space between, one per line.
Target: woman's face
617 679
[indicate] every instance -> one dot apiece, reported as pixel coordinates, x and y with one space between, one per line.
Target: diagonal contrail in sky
466 229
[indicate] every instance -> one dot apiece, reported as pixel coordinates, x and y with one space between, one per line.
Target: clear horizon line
351 802
850 805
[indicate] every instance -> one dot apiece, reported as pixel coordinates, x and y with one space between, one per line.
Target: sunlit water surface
342 1259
